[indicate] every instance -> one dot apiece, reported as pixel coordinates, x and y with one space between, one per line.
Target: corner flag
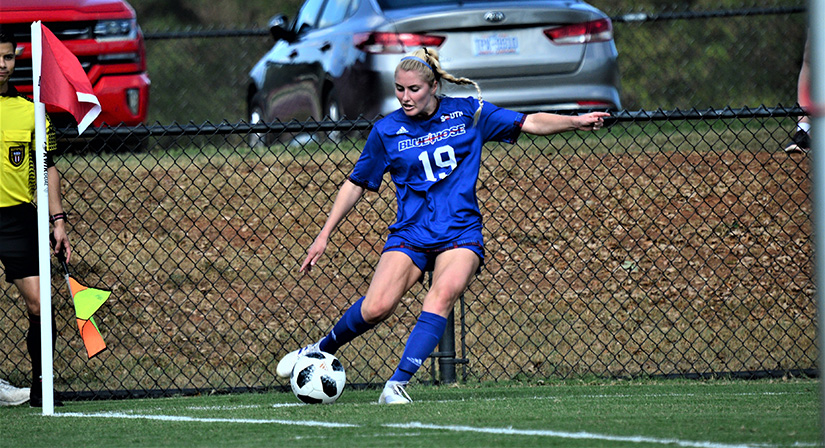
63 83
58 79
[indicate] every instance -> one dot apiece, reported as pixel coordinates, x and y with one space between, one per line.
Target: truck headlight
116 29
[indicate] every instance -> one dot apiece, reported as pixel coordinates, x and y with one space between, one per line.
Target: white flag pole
816 14
42 225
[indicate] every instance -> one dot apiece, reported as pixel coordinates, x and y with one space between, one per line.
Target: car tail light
594 104
581 33
379 42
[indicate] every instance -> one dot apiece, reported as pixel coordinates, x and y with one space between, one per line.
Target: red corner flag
58 79
63 83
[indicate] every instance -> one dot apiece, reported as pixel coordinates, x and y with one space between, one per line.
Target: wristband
58 217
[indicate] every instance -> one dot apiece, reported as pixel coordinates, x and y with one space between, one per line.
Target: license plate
495 44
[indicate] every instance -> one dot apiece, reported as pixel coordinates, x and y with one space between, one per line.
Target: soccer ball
318 378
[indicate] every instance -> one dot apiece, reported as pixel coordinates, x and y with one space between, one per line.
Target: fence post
446 351
446 354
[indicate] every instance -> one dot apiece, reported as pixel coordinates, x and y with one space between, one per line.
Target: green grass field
599 413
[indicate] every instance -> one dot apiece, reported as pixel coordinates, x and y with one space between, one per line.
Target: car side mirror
279 28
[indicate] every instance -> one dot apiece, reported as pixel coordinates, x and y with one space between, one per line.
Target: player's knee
32 303
33 308
377 310
440 303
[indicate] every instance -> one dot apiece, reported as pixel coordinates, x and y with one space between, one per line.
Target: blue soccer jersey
434 164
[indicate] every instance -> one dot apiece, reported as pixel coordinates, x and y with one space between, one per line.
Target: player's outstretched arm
348 196
543 123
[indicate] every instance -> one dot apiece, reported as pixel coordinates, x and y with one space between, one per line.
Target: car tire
332 111
256 139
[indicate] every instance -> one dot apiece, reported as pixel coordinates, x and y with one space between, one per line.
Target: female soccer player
432 148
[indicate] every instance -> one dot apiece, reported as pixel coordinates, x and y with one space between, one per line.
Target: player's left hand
61 242
592 121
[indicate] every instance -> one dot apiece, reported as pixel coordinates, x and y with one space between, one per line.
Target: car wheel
333 113
255 139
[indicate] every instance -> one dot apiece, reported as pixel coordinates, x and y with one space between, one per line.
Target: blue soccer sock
350 326
423 340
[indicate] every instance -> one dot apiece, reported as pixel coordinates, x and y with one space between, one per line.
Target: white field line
455 428
180 418
233 407
242 406
581 435
570 435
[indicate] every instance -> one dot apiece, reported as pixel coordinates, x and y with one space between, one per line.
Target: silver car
337 58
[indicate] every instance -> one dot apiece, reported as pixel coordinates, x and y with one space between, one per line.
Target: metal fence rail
671 243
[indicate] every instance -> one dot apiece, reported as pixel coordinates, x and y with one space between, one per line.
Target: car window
308 16
335 11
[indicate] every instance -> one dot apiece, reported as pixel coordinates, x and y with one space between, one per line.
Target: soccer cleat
287 363
12 396
801 142
394 393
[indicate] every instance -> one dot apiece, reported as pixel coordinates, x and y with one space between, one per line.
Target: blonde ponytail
425 61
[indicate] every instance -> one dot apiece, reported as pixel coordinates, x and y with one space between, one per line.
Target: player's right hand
314 254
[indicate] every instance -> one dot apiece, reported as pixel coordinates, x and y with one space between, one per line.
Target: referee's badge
17 154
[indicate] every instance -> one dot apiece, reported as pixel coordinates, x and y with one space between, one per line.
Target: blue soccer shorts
424 258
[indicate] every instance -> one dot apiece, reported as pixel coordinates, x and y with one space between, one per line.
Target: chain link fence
749 57
671 243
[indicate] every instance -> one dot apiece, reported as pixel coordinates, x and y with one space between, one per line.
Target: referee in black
18 215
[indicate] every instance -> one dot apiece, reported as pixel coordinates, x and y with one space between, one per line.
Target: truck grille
64 31
23 71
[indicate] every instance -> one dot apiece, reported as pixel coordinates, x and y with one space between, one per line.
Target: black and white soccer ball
318 378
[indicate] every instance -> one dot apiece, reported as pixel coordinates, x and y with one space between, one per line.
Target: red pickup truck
105 37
